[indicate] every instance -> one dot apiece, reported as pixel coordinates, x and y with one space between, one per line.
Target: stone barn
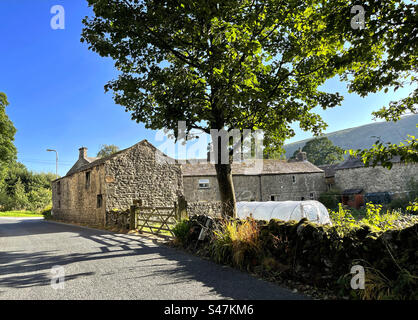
278 180
94 186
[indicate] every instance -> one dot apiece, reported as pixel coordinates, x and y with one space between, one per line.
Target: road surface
104 265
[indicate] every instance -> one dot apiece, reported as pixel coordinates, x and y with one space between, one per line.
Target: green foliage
406 202
321 151
7 131
237 242
346 220
375 218
47 212
413 206
23 189
230 64
39 199
107 150
181 230
330 199
342 219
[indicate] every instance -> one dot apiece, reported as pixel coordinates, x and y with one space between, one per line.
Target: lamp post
56 160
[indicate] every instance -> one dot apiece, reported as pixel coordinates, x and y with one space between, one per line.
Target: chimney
83 153
301 156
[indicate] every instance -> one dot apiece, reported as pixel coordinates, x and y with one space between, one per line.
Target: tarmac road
104 265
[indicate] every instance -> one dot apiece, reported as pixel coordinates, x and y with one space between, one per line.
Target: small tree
7 131
107 150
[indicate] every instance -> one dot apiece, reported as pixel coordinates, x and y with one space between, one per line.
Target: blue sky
55 88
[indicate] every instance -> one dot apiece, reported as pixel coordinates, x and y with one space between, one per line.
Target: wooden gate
155 220
158 221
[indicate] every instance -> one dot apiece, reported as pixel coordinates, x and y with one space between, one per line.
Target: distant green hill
365 136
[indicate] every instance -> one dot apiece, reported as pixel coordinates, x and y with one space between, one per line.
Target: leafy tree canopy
321 151
7 131
107 150
246 64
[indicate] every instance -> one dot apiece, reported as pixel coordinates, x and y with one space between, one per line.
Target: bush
181 230
330 199
47 213
238 242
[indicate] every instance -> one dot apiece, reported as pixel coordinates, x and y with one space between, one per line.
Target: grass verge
20 214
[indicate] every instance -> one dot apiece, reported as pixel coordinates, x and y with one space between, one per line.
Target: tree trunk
226 189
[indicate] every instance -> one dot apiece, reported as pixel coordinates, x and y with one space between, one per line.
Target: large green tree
241 64
7 132
321 151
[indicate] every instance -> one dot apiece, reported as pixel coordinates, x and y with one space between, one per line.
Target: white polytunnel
313 210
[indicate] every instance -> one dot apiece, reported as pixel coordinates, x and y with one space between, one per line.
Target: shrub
47 213
238 242
376 219
330 199
181 230
342 219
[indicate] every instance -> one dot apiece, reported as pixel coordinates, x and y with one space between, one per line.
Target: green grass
20 214
156 226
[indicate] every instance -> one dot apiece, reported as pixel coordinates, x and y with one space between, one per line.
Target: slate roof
270 166
352 191
351 163
91 162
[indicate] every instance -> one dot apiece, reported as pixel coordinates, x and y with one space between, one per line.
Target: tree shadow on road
161 264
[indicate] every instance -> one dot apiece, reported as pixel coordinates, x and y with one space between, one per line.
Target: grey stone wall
293 186
141 173
118 219
78 202
259 188
377 179
211 208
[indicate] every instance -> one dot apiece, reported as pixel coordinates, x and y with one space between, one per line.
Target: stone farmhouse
278 180
94 186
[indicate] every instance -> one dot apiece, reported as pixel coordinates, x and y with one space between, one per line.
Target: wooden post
132 218
181 208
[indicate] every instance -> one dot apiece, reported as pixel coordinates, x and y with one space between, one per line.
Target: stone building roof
84 162
269 166
351 163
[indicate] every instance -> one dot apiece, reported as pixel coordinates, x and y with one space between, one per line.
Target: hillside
363 137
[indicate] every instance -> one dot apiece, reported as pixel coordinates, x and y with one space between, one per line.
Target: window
311 195
204 184
294 179
274 197
87 179
59 204
99 200
59 187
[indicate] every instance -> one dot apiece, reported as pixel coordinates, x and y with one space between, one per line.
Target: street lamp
56 160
